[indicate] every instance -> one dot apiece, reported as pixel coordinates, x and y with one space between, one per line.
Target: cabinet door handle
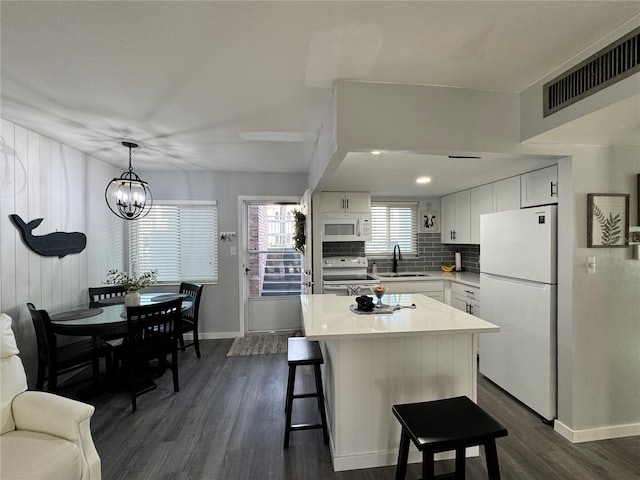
347 204
343 204
554 193
471 309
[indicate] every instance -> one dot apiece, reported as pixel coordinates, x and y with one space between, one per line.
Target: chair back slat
151 327
45 336
194 290
96 294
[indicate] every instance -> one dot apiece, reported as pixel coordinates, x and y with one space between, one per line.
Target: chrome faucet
396 259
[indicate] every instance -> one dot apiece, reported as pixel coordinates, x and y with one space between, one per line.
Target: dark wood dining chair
189 321
57 359
150 336
106 295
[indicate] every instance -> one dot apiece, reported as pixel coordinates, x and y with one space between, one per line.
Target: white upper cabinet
506 194
481 202
345 202
456 217
539 187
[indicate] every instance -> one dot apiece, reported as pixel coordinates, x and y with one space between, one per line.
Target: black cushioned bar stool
443 425
304 352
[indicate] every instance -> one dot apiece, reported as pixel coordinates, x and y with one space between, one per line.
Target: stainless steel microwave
346 227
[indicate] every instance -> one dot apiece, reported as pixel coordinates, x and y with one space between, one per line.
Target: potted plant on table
131 283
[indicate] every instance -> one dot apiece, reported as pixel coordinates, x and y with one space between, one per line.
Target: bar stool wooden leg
290 387
491 455
289 404
403 456
460 463
320 391
428 464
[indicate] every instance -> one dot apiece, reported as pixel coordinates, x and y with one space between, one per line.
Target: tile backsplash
431 254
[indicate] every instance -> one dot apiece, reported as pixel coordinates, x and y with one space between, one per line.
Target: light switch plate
233 250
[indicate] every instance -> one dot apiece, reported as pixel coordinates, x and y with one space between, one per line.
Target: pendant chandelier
129 196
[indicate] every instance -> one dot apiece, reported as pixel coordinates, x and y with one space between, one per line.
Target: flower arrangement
131 282
299 236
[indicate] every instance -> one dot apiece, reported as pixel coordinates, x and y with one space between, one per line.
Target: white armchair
44 436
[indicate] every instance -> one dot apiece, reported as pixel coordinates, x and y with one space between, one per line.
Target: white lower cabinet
431 288
465 298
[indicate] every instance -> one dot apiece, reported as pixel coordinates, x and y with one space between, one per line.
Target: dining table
108 317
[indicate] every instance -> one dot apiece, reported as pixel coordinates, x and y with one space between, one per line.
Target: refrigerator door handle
521 281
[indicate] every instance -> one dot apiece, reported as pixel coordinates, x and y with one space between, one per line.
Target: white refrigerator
518 277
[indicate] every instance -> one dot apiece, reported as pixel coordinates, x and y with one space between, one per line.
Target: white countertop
468 278
327 317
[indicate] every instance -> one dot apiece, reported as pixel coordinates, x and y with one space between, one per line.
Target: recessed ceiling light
375 152
423 180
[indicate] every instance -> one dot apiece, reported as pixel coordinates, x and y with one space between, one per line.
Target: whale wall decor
56 244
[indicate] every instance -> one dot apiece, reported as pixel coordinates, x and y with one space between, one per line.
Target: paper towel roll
458 262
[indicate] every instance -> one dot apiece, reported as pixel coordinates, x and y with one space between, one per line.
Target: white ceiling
243 86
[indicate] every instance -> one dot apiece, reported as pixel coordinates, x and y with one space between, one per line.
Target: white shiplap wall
42 178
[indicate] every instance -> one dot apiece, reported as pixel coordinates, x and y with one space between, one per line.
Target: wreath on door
299 237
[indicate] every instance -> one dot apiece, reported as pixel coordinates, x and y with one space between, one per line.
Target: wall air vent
610 65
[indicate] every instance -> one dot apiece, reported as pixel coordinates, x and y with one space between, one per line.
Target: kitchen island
372 362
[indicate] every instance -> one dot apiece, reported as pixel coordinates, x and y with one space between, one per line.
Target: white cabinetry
539 187
465 298
506 194
341 202
431 288
456 217
481 202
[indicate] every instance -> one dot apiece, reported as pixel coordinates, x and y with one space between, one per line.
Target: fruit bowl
379 291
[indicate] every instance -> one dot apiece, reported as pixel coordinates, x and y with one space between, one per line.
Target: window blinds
393 223
179 240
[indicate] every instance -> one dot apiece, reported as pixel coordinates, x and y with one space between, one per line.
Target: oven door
352 290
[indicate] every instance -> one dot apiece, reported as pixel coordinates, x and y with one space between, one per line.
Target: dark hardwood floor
227 423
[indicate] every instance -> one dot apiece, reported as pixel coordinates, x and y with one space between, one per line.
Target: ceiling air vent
608 66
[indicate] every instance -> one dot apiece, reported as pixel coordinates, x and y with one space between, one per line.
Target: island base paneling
364 377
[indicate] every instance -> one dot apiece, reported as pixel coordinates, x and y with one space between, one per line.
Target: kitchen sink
400 275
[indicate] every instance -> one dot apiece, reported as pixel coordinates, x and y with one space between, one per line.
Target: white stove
346 276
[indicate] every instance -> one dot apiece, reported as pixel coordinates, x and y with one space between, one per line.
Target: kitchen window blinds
179 239
393 223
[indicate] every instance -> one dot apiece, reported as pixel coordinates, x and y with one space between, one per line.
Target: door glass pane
275 266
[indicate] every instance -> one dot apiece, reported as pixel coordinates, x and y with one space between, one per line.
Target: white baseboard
593 434
383 459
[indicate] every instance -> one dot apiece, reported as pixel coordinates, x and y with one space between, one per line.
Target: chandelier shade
128 196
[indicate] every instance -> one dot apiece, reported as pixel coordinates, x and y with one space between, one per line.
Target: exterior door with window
306 279
273 268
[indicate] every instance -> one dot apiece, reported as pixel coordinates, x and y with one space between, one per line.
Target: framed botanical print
607 220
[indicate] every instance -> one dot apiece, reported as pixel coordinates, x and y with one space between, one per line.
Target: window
179 239
393 223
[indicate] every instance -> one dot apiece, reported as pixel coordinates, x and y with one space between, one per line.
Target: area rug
261 344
